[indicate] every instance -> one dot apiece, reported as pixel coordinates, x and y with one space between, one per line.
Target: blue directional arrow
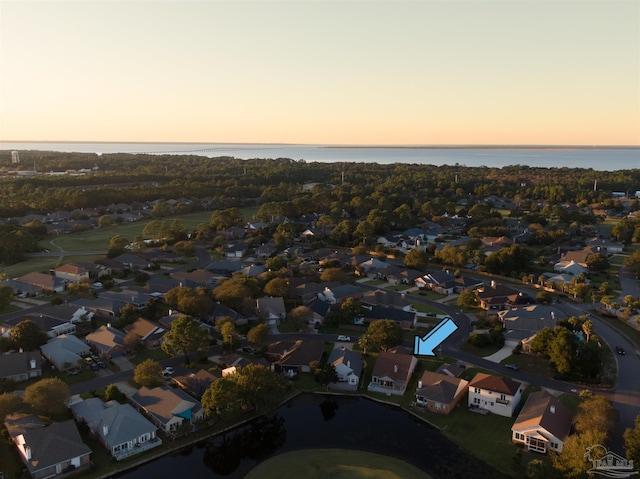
424 346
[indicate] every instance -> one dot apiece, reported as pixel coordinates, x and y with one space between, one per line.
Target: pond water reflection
317 421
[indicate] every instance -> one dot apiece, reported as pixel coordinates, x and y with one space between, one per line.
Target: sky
476 72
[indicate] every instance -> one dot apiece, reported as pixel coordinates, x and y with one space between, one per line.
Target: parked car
620 351
88 360
248 349
344 338
515 367
101 364
169 371
94 366
73 371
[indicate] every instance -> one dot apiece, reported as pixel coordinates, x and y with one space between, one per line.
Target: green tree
184 337
258 334
572 463
48 396
595 414
300 316
416 259
597 262
467 299
276 263
562 350
228 331
588 328
148 373
631 441
278 287
223 397
27 335
112 393
223 219
6 296
384 334
326 374
117 246
9 403
330 275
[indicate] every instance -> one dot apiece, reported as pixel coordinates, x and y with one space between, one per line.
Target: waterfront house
392 372
495 394
292 357
168 408
348 366
121 429
440 393
49 451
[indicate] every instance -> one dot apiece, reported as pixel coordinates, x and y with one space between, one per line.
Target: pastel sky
321 72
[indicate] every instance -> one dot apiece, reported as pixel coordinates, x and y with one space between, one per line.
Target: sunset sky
321 72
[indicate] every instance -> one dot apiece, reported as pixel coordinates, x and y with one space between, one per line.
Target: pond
320 421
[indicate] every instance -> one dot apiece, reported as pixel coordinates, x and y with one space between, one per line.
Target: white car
168 371
344 338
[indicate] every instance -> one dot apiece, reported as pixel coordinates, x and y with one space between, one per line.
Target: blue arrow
425 346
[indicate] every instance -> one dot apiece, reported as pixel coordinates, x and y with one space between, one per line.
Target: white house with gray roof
348 365
65 351
121 429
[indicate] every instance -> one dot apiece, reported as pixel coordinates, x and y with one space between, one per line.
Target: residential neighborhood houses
110 324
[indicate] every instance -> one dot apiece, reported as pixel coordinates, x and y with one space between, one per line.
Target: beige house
543 424
495 394
168 408
73 273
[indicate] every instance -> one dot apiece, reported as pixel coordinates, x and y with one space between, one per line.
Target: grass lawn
335 463
482 352
429 294
531 363
426 308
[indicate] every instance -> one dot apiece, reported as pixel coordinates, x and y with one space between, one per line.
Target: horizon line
347 145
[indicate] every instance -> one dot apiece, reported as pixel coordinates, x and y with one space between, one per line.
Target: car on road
343 338
620 351
515 367
97 284
168 371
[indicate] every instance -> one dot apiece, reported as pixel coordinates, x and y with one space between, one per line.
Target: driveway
123 363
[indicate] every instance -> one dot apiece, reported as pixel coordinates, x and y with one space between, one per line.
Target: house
131 261
48 451
20 366
196 383
271 308
348 365
137 299
392 372
497 297
606 245
405 319
220 311
265 250
150 334
195 279
385 299
224 267
65 351
121 429
108 342
340 293
524 322
168 408
440 393
495 394
73 273
235 250
52 327
292 357
543 424
45 282
372 267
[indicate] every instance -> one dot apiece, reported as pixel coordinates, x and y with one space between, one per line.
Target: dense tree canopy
184 337
49 396
28 335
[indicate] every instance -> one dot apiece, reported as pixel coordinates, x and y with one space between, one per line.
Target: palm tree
363 342
588 328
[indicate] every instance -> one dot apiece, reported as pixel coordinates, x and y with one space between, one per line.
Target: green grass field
335 464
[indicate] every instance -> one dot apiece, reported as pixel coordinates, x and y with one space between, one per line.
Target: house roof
196 383
296 353
53 445
381 297
71 268
439 387
271 305
453 370
165 403
64 349
531 318
144 328
106 338
197 277
347 357
544 410
395 366
19 363
115 423
495 383
397 315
